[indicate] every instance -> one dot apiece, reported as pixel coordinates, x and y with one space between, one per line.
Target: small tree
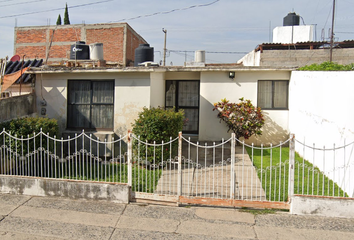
66 15
157 125
242 118
59 20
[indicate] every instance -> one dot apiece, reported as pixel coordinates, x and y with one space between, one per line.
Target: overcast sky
232 26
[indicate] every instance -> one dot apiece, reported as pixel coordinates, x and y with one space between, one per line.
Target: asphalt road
26 217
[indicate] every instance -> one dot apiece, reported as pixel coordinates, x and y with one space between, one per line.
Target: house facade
108 100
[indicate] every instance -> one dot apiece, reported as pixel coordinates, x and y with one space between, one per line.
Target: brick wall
112 39
31 36
299 58
119 41
31 52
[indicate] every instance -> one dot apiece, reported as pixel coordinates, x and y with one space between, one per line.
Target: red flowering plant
242 118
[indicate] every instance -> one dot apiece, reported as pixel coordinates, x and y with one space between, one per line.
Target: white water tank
199 56
96 51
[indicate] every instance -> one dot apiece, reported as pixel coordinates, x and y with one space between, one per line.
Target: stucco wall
132 93
157 89
322 206
296 58
16 107
293 34
251 59
215 86
320 112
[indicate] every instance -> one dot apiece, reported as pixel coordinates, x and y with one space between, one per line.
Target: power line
167 12
346 32
56 9
21 3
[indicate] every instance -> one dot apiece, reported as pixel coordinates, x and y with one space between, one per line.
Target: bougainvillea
242 118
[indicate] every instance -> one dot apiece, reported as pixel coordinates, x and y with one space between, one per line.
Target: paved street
25 217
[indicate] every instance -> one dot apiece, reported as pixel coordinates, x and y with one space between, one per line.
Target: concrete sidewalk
25 217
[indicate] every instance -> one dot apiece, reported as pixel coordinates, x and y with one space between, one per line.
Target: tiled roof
12 67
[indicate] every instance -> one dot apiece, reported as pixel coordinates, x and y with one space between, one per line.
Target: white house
107 100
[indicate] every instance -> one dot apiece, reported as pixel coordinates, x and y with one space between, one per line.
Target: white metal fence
181 167
325 171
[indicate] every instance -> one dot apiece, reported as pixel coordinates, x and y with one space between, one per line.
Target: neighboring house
298 54
108 100
294 45
119 41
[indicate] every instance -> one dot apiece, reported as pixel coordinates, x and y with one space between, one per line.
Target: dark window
184 94
90 104
273 94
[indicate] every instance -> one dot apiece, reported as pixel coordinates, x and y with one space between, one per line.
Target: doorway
184 94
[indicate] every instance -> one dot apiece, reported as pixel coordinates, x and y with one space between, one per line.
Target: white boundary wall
322 206
320 112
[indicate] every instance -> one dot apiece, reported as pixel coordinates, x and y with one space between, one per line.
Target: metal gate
218 173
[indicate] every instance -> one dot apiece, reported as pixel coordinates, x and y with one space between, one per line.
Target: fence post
179 183
130 159
291 183
232 173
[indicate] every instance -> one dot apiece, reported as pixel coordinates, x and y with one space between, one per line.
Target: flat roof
218 68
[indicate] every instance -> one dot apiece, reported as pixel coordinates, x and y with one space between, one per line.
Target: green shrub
157 124
327 66
26 127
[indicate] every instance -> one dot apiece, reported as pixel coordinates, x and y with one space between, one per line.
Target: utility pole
332 33
164 47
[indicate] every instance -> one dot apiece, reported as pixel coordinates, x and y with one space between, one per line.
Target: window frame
177 106
91 104
273 95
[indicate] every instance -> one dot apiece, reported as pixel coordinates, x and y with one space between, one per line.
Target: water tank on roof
144 53
79 51
291 20
96 51
199 56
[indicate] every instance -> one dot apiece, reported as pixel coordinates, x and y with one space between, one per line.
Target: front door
184 94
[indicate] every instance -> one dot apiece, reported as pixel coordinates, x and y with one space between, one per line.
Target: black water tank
144 53
291 20
79 51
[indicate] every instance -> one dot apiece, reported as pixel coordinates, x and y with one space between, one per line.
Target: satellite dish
15 58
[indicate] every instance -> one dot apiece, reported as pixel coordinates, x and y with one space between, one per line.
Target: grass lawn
144 180
273 170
